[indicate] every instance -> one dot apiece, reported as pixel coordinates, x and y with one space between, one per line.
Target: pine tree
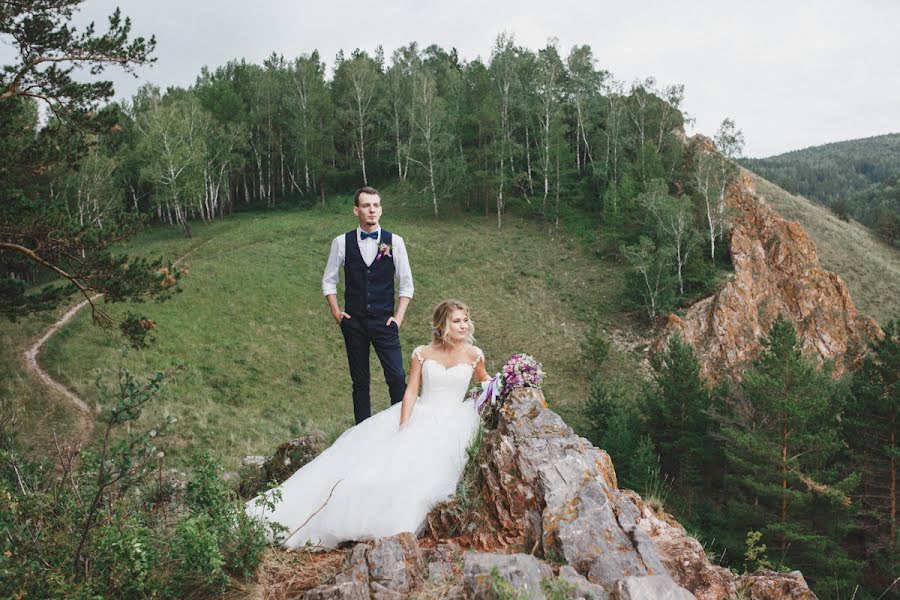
614 426
870 428
677 412
782 443
36 230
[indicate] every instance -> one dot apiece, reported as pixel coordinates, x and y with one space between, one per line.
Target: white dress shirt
368 248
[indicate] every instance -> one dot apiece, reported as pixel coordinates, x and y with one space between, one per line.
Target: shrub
93 526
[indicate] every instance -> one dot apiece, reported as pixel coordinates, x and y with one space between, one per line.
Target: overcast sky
791 74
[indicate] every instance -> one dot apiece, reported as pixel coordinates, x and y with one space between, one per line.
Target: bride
383 475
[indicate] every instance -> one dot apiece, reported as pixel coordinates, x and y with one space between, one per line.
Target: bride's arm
481 373
412 390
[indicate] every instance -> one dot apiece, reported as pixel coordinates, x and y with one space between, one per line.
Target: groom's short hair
364 190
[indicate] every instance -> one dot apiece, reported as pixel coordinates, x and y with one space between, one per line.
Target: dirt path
86 416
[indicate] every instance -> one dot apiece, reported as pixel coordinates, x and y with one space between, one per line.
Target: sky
791 74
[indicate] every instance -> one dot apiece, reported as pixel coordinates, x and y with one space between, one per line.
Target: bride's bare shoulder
474 352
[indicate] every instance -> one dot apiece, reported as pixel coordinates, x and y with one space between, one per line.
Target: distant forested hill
826 173
857 179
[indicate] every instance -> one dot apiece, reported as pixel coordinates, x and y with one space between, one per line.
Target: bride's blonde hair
440 322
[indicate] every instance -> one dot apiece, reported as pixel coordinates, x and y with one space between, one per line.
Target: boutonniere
384 250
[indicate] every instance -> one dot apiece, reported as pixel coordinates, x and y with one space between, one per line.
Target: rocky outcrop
776 271
258 471
486 572
551 519
384 569
771 585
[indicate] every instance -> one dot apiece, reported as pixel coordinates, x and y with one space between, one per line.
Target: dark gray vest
368 290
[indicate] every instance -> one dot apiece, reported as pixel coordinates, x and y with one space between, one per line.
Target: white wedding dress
383 480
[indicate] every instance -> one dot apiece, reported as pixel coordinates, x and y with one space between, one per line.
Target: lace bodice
441 383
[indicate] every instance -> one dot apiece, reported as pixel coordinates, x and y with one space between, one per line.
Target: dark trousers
359 332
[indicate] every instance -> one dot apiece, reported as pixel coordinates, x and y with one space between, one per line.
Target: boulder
488 575
384 569
395 565
439 562
579 587
650 587
771 585
258 471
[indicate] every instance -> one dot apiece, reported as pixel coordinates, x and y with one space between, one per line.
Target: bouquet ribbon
491 391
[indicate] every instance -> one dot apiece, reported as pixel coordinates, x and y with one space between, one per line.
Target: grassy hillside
870 267
263 358
264 361
831 171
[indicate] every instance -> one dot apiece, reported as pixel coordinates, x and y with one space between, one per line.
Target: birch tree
356 82
310 94
615 115
713 171
174 155
585 83
430 117
503 71
221 145
705 182
639 106
550 71
650 266
674 221
94 195
729 142
400 83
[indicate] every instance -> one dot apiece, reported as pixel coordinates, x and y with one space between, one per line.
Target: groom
371 257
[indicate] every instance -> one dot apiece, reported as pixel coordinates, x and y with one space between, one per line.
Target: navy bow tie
363 235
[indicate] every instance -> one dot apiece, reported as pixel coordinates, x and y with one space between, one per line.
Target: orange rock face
776 270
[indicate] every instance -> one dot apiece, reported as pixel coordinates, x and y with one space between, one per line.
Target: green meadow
262 359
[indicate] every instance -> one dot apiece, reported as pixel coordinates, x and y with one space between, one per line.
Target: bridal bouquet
521 370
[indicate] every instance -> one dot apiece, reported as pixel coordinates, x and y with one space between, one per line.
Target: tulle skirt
376 480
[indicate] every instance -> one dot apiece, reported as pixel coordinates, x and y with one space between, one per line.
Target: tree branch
97 313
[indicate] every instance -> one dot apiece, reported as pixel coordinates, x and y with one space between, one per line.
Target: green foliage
783 449
653 483
137 330
677 412
240 540
856 179
41 33
870 429
127 556
755 556
101 527
595 347
59 207
650 285
195 547
464 506
614 425
877 207
558 589
502 589
832 171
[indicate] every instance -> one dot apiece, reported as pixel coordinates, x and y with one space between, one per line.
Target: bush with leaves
97 524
